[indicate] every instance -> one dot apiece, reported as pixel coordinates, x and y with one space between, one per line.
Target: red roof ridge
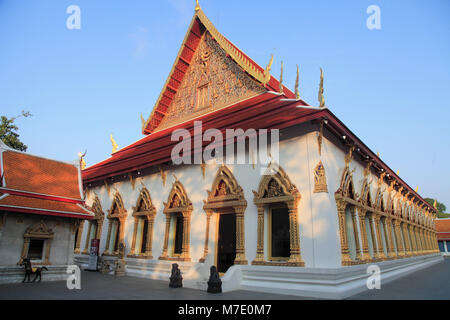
7 148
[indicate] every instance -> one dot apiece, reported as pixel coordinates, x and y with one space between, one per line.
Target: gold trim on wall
147 213
178 202
277 189
38 231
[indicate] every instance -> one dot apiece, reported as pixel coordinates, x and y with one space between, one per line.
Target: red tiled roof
34 174
37 185
43 206
442 225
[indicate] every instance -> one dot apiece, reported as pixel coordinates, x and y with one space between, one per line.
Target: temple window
94 226
37 243
116 216
78 235
279 233
178 211
178 234
35 249
277 202
144 216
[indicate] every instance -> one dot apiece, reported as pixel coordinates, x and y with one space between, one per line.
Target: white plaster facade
317 221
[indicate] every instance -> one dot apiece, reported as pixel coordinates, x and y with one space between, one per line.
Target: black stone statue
29 271
176 280
214 282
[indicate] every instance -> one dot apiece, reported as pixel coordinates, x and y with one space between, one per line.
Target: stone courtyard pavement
432 283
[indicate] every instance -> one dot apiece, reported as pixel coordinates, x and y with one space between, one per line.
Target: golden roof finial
417 189
114 144
297 94
267 71
281 78
197 6
142 122
82 162
321 98
435 204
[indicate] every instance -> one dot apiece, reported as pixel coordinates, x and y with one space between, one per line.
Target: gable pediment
212 81
209 73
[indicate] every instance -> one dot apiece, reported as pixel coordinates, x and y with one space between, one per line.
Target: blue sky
391 87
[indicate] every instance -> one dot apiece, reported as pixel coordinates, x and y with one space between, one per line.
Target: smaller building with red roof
443 235
41 206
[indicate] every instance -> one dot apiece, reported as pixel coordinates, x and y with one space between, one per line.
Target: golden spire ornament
297 94
197 6
281 78
267 71
114 144
142 122
82 162
321 98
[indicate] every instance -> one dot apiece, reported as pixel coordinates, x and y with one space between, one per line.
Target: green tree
8 132
441 208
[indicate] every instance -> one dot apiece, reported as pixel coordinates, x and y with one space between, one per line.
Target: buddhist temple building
443 235
308 221
41 207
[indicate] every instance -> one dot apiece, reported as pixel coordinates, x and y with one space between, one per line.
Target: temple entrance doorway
226 242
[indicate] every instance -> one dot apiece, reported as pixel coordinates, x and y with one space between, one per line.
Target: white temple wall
298 156
12 239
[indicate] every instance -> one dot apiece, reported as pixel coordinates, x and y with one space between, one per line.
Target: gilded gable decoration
97 209
381 178
178 200
320 137
117 209
225 188
365 197
273 187
39 230
132 180
107 186
320 179
349 156
366 172
347 188
212 81
163 176
144 203
379 200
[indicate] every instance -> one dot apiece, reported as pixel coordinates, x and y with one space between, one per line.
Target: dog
30 270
